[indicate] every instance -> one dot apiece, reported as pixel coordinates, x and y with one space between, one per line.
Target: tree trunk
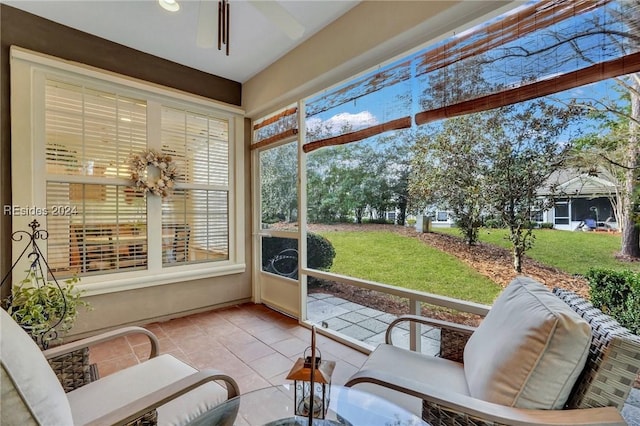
630 232
630 237
517 261
402 214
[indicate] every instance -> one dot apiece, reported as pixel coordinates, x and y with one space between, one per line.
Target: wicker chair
161 390
599 393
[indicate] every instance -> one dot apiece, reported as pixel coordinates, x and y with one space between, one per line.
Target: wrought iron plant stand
73 369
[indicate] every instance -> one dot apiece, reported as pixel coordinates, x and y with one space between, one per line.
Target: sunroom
179 198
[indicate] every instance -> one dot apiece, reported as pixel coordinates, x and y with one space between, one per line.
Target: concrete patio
364 324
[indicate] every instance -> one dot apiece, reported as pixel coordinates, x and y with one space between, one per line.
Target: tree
626 145
278 180
630 230
494 161
523 157
450 166
345 182
608 31
334 181
603 150
396 153
613 149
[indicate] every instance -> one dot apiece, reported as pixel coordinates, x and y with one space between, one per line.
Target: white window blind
195 219
96 223
91 136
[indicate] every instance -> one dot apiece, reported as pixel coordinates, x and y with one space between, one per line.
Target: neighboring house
581 201
438 218
442 218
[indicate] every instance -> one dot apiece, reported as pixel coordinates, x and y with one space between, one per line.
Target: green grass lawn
572 252
394 259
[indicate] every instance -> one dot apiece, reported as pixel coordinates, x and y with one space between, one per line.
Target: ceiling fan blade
207 31
280 17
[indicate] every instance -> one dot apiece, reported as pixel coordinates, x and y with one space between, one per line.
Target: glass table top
274 406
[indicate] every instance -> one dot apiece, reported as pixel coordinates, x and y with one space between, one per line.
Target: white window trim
28 177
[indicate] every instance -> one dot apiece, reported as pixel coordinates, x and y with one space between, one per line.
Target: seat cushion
116 390
528 351
30 390
415 366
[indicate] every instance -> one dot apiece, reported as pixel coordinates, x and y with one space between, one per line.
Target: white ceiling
255 40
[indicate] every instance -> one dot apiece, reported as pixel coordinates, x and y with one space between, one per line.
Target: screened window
562 213
598 209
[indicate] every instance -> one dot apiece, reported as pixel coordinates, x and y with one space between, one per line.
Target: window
561 212
537 216
598 208
358 138
97 224
442 216
84 128
195 219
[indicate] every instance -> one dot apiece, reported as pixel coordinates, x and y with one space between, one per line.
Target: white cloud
339 121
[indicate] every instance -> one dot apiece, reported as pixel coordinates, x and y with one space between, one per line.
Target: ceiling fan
213 20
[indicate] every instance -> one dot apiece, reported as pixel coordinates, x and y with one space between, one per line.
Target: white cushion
528 351
400 362
116 390
31 392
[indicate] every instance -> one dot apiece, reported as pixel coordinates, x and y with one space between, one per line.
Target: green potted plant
47 311
44 309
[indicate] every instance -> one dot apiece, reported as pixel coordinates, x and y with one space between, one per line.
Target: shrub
320 254
617 293
411 222
493 223
546 225
380 220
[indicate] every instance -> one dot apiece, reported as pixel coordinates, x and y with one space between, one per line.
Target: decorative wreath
163 185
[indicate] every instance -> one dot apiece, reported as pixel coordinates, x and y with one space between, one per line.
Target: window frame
560 220
29 71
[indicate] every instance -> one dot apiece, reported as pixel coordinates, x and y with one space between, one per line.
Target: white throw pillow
528 351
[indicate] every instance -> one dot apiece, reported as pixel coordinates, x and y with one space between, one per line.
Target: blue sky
383 105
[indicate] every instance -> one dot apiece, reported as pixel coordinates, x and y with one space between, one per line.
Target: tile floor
252 343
